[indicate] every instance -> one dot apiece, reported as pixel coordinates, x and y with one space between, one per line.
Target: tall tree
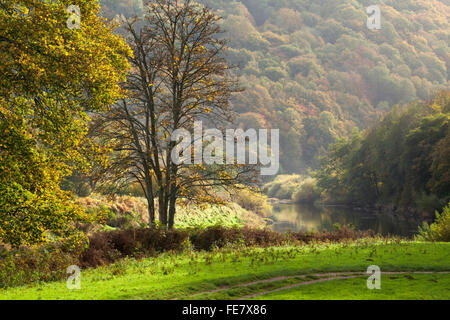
179 75
51 74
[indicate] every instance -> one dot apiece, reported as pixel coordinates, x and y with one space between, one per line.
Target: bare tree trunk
163 206
173 194
172 209
150 204
151 213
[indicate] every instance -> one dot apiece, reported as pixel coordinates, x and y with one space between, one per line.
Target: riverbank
305 190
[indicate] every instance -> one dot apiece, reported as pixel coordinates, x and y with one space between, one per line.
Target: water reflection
292 217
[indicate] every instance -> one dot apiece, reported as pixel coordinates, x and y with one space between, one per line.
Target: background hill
314 70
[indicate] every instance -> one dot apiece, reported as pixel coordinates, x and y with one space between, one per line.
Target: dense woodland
404 160
314 70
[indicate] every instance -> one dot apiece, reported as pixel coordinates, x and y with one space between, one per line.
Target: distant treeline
404 160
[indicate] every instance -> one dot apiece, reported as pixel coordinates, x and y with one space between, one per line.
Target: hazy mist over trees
315 71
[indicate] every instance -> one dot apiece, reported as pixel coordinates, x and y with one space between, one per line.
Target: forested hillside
404 160
314 70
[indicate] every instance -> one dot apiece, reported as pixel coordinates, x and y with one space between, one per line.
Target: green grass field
225 273
404 287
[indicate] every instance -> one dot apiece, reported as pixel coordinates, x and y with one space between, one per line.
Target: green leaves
403 160
439 230
50 76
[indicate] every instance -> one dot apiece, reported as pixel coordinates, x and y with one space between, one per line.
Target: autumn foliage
50 76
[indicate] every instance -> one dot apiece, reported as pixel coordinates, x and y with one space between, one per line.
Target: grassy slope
127 211
213 215
404 287
170 276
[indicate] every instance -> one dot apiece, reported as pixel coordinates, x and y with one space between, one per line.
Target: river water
293 217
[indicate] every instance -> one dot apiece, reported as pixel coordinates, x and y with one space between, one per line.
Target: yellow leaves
66 53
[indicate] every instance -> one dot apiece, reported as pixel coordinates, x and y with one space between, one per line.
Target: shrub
31 264
262 237
439 230
121 212
308 192
253 201
50 262
107 247
283 186
217 236
340 234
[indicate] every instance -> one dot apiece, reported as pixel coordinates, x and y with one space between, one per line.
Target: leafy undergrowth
174 276
108 247
399 287
439 230
27 265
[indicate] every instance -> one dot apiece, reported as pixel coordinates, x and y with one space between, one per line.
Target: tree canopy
299 58
50 77
402 160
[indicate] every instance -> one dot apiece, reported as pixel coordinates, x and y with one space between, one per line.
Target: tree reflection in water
293 217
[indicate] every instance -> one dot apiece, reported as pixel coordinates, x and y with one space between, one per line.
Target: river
293 217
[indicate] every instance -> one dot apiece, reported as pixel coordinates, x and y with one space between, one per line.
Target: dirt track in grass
322 278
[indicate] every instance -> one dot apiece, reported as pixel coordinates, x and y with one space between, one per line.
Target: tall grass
124 212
